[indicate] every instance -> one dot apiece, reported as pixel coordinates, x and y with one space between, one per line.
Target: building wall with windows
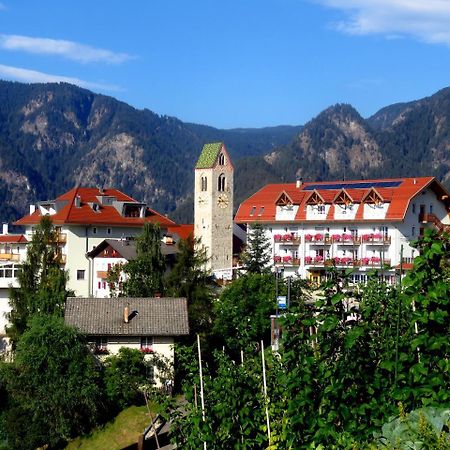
363 225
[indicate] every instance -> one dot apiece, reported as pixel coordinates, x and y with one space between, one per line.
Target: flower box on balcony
287 259
295 261
318 237
375 259
277 259
365 261
146 350
287 237
101 351
308 237
277 237
308 259
318 259
337 260
346 237
336 237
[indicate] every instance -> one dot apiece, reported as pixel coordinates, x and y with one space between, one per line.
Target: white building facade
85 217
363 225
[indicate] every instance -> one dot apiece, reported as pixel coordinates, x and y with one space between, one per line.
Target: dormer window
315 199
132 209
373 197
284 200
343 198
221 183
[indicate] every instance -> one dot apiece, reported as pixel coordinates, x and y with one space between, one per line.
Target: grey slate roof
127 248
104 316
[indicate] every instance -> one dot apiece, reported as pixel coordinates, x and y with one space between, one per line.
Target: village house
150 325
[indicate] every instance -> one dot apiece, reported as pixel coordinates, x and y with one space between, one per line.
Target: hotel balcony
289 238
346 239
318 239
61 258
61 238
374 262
376 239
286 261
9 257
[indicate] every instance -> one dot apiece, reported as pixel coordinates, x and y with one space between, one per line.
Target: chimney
415 181
5 228
126 313
77 201
32 209
298 183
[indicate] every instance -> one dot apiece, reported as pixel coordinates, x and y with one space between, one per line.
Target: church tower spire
213 207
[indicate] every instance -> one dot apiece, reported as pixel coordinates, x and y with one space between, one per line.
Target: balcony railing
286 260
291 238
318 239
61 258
376 239
346 262
346 239
61 238
9 256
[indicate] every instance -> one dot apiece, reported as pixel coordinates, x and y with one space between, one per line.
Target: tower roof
209 155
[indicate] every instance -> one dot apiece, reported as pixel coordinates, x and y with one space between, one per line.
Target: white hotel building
362 224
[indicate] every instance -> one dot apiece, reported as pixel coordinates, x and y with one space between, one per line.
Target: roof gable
315 198
284 200
372 196
343 198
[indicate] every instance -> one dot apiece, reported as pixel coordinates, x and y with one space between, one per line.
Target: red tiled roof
85 215
398 197
13 239
183 230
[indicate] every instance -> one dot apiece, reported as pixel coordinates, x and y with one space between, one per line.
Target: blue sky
234 63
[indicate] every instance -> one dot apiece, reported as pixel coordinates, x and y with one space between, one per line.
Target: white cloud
33 76
67 49
426 20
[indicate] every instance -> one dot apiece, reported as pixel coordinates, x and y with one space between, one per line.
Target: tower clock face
223 201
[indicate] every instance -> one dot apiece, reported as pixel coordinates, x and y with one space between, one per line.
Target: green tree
256 256
145 274
124 376
52 386
42 283
189 279
427 293
243 311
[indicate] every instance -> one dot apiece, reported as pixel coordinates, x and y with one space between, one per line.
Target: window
204 183
414 208
413 231
261 211
221 159
80 274
108 230
94 230
431 208
101 344
252 212
321 209
221 183
147 344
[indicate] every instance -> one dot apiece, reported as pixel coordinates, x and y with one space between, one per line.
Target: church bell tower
213 207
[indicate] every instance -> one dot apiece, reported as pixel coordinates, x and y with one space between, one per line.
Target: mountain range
56 136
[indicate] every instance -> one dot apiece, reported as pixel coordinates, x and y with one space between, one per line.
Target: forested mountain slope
55 136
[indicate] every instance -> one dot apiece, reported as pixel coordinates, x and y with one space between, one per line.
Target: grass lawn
123 431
